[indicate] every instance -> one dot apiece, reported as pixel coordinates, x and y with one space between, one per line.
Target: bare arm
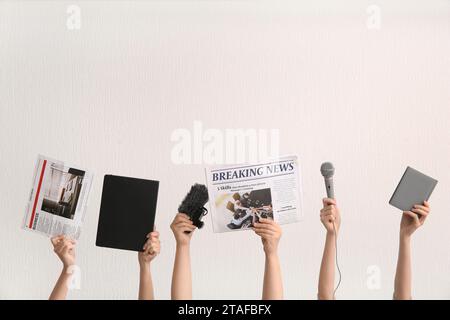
411 221
402 285
182 276
151 250
331 219
270 233
146 284
273 283
326 277
65 250
61 287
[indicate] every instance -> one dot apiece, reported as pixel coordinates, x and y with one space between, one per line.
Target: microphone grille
327 169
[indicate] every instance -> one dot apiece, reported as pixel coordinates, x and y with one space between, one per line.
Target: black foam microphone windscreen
193 204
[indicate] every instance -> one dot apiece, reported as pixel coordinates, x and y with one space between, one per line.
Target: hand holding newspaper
58 199
241 195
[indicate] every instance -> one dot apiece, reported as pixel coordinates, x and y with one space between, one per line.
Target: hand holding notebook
414 188
127 212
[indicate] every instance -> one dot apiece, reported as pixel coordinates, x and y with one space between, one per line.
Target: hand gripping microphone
327 171
193 204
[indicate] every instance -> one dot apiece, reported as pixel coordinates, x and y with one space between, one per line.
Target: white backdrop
109 95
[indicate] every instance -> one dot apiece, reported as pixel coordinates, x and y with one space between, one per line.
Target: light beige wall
109 96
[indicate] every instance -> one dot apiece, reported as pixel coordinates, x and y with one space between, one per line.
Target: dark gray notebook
127 212
414 188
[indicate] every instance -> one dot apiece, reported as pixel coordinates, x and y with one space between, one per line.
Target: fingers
265 234
328 208
156 247
151 243
59 242
185 225
328 202
153 234
267 228
152 247
58 247
424 208
329 212
328 218
72 241
327 215
152 239
182 224
259 228
189 227
265 224
420 212
56 239
180 218
267 221
66 248
413 216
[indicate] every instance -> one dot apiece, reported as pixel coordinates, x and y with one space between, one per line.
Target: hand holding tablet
127 212
414 219
414 188
411 196
151 249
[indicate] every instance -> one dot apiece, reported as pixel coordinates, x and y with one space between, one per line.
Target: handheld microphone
327 171
193 204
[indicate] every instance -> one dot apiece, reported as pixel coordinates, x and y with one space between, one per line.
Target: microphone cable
337 263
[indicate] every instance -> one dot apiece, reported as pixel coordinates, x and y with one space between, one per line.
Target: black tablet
127 212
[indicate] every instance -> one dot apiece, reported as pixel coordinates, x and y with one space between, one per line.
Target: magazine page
240 195
58 198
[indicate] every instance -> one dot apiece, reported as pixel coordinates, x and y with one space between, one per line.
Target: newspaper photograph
241 195
58 198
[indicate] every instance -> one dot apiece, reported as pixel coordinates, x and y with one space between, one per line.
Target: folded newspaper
241 195
58 198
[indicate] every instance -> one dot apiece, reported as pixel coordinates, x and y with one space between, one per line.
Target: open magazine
58 198
240 195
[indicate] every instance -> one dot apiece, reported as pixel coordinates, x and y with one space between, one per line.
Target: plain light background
108 97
